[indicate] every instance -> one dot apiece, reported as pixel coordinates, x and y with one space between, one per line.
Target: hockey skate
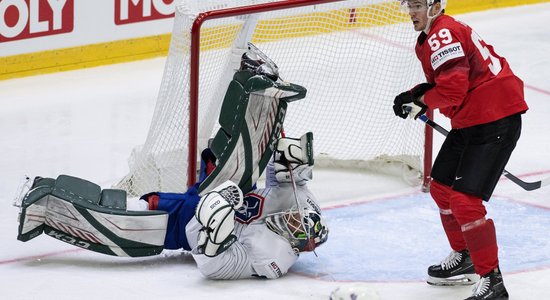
490 287
456 269
27 183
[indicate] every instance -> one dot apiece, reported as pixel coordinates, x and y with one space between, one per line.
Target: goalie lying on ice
230 235
260 234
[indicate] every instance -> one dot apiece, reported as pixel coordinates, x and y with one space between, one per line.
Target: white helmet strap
430 4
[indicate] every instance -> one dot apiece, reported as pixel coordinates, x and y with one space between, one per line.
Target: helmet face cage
303 235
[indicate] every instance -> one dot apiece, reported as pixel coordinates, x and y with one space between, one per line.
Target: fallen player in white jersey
230 235
258 235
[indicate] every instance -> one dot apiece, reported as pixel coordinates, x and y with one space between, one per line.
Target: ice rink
384 233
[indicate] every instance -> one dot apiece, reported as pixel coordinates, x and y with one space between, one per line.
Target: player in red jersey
473 86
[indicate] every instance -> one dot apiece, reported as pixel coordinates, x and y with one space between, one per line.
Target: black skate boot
490 287
27 184
456 269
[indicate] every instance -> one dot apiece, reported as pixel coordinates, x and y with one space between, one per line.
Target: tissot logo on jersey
445 54
132 11
23 19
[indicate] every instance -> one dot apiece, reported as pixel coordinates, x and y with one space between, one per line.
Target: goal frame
194 79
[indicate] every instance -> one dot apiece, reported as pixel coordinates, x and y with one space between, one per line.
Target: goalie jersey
258 252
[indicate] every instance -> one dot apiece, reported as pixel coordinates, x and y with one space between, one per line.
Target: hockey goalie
232 229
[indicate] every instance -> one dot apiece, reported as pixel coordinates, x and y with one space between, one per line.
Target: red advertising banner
25 19
133 11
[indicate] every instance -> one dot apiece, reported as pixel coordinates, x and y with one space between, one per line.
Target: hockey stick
528 186
275 71
294 189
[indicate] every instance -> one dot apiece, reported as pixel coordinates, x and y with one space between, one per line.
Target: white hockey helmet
303 234
418 5
409 6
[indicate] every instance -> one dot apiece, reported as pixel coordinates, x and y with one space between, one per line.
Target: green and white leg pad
78 212
251 119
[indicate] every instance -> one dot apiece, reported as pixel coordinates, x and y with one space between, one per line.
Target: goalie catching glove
408 103
216 213
296 154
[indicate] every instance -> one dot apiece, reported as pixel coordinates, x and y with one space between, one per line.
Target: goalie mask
303 234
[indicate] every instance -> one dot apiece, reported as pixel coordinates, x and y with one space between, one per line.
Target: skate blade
466 279
22 191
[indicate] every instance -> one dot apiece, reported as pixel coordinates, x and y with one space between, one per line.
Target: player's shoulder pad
446 42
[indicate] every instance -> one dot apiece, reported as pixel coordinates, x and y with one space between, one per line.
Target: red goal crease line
39 256
536 89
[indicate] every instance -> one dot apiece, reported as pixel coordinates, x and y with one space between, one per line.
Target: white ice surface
85 123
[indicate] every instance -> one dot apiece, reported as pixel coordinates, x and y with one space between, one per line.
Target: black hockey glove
411 99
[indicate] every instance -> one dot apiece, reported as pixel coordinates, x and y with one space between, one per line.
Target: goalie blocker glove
296 154
216 213
408 103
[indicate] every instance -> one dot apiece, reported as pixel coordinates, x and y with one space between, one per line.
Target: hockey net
352 56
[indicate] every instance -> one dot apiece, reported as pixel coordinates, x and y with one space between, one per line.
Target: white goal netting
352 56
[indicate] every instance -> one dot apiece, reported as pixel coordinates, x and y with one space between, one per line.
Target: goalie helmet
303 233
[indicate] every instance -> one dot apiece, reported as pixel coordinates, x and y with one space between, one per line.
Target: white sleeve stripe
236 260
